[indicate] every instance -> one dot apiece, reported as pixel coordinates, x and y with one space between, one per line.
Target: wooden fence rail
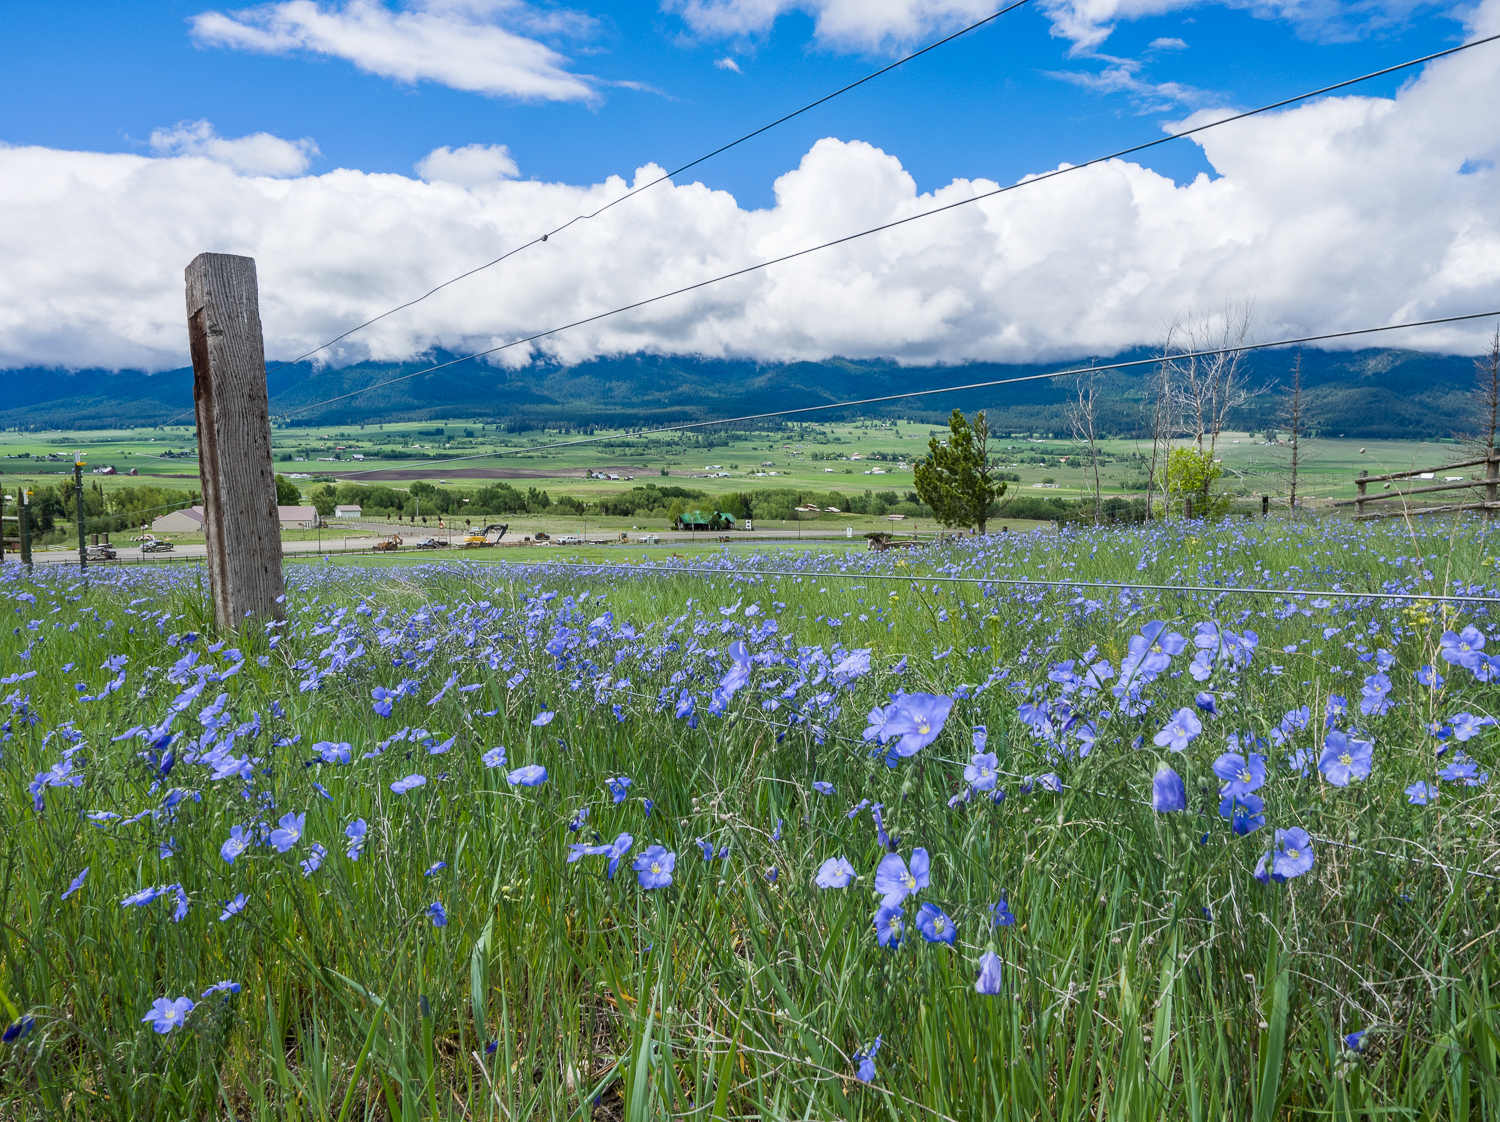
1490 484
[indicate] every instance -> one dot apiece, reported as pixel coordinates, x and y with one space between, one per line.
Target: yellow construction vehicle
389 544
480 538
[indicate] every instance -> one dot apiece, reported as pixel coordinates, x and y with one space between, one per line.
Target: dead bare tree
1294 419
1206 387
1485 399
1160 405
1081 416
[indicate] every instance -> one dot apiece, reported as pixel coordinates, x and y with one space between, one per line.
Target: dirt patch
386 474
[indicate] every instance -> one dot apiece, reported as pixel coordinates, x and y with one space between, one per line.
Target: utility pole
23 511
234 439
83 549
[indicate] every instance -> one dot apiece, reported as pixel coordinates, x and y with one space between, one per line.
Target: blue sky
102 75
363 151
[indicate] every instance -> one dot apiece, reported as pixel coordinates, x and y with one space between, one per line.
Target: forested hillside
1377 393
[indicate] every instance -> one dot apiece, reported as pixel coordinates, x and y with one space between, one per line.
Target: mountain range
1374 393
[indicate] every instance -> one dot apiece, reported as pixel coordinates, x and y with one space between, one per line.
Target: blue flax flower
1181 730
221 987
935 925
895 882
18 1029
545 717
409 783
144 896
822 787
1421 793
1245 813
1167 791
890 924
77 883
654 867
1463 649
836 872
1000 914
866 1062
166 1015
438 913
618 787
315 861
532 775
1355 1041
288 832
1241 776
980 773
1293 855
435 867
356 832
989 974
918 720
1345 758
232 908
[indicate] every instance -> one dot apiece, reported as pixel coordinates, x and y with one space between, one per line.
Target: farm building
190 520
698 520
347 512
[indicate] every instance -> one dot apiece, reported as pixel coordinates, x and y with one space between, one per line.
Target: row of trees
113 511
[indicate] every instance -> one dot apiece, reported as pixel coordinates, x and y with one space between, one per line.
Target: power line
666 176
1045 176
918 393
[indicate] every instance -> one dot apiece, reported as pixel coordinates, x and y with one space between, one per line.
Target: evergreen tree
955 481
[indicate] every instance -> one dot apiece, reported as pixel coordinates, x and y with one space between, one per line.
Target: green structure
697 520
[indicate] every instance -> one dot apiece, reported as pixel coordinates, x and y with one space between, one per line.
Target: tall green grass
1148 975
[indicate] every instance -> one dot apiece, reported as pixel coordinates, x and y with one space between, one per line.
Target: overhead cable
537 240
1031 181
689 425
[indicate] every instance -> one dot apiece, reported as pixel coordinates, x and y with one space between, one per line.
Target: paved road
186 552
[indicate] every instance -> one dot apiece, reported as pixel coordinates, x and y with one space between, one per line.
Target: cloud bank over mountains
1349 212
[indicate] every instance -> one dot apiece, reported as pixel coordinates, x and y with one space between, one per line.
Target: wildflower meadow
773 835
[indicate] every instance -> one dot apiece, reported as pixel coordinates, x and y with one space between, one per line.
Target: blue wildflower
356 832
895 882
438 913
1345 758
531 775
1180 731
409 783
654 867
1168 794
835 872
166 1015
935 925
889 925
989 974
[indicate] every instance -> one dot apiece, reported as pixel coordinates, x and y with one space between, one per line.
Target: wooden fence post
1359 486
1492 480
234 439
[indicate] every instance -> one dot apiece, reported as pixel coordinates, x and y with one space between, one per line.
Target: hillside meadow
767 834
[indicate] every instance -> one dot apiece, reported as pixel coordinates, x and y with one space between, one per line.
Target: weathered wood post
1359 486
234 439
1492 480
83 546
23 509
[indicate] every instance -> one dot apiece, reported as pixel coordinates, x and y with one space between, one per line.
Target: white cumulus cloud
260 154
891 24
465 45
469 166
1344 213
847 24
